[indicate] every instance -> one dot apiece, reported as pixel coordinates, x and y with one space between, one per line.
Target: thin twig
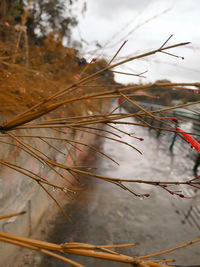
12 215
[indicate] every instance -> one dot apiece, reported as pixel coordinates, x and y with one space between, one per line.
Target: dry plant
89 93
101 251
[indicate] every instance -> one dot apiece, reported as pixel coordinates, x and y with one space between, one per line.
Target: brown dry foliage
51 67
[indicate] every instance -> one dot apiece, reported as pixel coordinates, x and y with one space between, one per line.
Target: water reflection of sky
160 214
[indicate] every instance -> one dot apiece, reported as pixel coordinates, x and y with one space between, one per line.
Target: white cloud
115 8
109 22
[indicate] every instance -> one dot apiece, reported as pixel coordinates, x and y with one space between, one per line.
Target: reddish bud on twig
139 138
197 177
93 60
182 196
173 119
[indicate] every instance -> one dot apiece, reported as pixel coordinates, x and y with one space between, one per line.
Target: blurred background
98 28
105 25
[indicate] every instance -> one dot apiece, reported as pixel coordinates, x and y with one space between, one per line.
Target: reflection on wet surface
106 214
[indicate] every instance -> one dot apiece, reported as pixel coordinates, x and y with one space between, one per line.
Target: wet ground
106 214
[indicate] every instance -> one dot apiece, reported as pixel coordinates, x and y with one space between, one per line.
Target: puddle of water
106 214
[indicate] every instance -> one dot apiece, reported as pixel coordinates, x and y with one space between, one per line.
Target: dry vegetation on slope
27 81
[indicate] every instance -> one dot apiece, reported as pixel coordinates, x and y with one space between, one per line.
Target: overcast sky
146 24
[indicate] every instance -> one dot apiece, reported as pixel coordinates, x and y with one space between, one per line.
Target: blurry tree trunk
5 9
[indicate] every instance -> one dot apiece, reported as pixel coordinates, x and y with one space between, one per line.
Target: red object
173 119
194 143
77 77
7 24
120 100
93 60
69 160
